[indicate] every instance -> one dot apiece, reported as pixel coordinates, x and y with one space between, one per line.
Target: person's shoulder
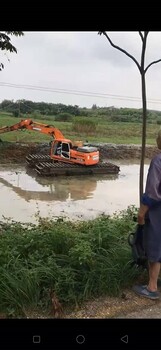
156 160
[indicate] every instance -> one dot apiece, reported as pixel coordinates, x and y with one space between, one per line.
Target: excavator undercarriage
46 166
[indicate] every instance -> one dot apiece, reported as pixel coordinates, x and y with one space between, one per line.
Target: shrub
76 260
16 114
64 117
84 125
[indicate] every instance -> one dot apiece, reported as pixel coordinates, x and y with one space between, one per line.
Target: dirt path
128 305
153 311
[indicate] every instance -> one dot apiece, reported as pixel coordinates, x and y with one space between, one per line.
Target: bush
16 114
64 117
84 125
76 260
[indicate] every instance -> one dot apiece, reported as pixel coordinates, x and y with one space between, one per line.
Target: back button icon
125 339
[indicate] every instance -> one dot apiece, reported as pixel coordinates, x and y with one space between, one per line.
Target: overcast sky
81 61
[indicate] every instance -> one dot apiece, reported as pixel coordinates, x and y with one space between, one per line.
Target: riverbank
127 305
58 265
15 152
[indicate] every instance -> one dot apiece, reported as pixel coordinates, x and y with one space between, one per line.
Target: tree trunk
143 133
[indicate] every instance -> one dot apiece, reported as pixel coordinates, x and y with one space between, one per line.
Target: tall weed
76 260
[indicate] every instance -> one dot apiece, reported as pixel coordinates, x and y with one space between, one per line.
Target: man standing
149 215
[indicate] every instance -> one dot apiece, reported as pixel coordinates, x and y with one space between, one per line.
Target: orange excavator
66 157
62 149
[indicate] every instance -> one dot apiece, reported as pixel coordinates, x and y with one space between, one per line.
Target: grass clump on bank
77 261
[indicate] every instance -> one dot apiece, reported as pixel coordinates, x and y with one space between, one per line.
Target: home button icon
80 339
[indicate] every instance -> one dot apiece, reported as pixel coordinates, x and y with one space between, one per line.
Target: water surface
24 194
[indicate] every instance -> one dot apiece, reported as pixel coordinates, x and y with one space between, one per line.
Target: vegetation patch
72 261
64 117
84 125
95 128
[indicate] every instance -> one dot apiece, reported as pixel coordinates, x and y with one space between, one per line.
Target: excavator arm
62 149
31 125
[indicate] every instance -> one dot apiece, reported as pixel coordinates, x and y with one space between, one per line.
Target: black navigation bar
106 334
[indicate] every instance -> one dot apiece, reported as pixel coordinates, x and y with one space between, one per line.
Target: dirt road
128 305
153 311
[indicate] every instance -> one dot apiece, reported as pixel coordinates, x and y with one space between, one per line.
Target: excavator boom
31 125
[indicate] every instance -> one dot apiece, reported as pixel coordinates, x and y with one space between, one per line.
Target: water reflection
31 187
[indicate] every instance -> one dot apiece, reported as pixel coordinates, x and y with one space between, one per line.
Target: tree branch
1 66
149 65
141 35
15 33
120 49
5 43
146 34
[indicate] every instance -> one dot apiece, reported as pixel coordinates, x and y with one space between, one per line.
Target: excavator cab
65 150
61 149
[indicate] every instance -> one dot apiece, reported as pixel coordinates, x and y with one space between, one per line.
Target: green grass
77 261
127 133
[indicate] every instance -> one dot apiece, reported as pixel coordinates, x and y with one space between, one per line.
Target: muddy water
24 194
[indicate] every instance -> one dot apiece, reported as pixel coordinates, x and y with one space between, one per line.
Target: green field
106 131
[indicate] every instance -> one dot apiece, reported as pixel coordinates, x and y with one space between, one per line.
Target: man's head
158 139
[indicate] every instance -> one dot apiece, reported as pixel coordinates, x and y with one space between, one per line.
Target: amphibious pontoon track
45 166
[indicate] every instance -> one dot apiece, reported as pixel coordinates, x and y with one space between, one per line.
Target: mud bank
14 152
